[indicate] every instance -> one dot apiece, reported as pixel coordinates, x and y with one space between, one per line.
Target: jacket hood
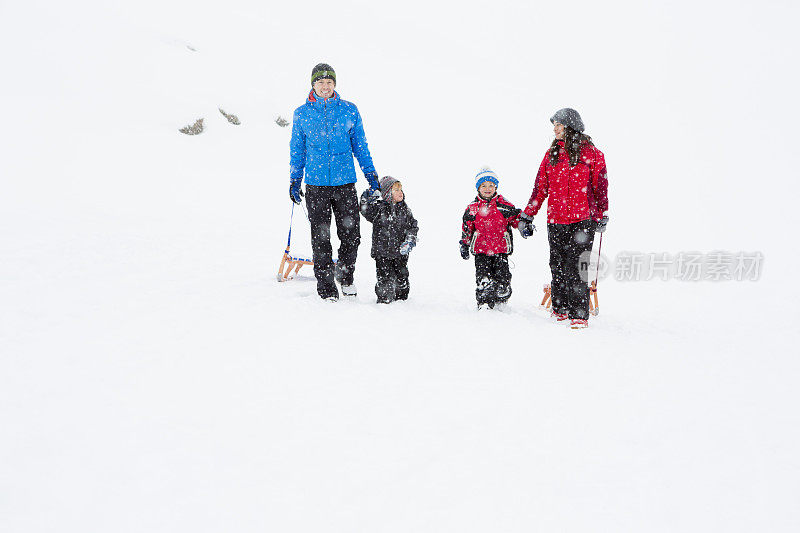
312 98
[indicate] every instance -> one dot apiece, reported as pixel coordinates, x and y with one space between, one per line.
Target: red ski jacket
577 193
487 224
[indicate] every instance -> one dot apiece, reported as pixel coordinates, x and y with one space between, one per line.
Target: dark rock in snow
194 129
233 119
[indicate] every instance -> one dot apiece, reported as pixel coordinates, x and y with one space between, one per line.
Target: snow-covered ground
154 375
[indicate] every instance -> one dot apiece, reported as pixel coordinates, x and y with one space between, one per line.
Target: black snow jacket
391 225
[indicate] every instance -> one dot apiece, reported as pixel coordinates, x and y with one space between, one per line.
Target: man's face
487 189
324 87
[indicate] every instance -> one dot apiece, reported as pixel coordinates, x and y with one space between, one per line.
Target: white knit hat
486 174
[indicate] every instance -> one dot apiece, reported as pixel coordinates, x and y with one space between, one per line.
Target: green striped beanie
323 71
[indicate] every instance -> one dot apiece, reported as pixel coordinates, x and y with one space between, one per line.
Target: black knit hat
323 71
568 117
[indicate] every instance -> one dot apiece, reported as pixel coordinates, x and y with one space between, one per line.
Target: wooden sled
546 300
291 263
594 306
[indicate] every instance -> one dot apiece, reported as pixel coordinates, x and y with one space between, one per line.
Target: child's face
397 192
487 189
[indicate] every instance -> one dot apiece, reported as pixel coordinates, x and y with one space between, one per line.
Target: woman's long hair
573 143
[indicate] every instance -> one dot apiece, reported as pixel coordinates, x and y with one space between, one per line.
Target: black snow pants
342 200
493 279
570 248
392 273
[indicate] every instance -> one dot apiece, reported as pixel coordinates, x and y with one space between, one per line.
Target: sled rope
291 220
597 275
594 306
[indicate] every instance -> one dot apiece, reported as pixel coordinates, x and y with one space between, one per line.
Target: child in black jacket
394 234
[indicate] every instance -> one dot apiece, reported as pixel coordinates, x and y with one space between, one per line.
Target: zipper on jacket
472 241
328 138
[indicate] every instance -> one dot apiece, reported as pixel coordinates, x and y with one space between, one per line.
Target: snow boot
502 292
349 290
558 317
340 274
401 289
579 323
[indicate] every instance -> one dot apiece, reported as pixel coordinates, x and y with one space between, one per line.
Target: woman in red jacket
573 176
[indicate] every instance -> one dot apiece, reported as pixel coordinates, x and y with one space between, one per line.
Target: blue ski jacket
326 134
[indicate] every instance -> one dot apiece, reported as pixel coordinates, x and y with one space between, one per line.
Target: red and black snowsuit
577 197
486 228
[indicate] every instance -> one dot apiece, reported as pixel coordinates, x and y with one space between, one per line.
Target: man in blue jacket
326 133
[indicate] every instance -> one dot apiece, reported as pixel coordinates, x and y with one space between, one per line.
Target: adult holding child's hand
327 133
573 176
526 225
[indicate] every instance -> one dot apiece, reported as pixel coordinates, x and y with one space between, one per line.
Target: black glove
526 227
369 196
408 245
464 250
295 193
600 225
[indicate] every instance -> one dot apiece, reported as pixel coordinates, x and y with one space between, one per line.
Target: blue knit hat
486 174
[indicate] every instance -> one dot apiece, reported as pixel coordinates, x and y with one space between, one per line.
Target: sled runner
594 307
290 263
546 299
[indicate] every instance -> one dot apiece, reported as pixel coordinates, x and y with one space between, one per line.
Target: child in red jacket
486 232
